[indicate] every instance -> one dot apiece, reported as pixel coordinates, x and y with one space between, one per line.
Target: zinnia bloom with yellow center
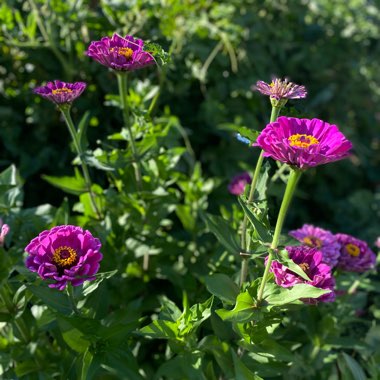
61 92
303 143
65 254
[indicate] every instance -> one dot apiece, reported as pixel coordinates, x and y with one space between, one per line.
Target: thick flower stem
78 148
122 83
244 264
289 192
19 322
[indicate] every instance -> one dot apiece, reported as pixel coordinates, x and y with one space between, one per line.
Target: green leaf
276 295
74 338
160 329
244 310
262 231
9 176
185 215
26 367
96 163
71 185
350 368
246 132
241 370
52 298
85 364
223 231
90 286
82 130
222 286
283 258
262 183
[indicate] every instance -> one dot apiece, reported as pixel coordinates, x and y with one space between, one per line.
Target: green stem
122 83
70 293
19 322
244 264
78 148
289 192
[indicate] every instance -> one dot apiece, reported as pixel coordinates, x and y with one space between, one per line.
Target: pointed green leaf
222 286
71 185
223 231
243 311
283 258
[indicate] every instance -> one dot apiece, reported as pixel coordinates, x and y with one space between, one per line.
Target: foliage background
218 50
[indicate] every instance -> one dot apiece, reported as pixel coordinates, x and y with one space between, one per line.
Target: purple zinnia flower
281 89
310 261
64 254
321 239
119 53
61 92
303 142
238 183
355 255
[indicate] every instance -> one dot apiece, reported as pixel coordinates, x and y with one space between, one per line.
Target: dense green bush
160 242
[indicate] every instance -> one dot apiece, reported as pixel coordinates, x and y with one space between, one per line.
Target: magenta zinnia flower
64 254
321 239
61 92
303 142
310 261
120 53
238 183
355 255
281 89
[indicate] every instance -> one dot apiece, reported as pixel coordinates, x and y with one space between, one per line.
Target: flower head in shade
3 233
61 92
238 183
64 254
377 242
120 53
281 90
303 143
355 255
321 239
310 261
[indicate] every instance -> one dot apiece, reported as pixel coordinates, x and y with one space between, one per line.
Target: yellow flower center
304 266
64 256
302 140
124 51
352 250
312 241
63 90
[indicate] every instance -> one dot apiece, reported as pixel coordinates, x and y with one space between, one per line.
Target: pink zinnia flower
3 233
310 261
303 143
321 239
377 242
120 53
281 89
61 92
64 254
355 255
238 183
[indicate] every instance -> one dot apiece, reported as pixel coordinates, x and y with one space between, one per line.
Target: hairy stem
122 83
78 148
289 192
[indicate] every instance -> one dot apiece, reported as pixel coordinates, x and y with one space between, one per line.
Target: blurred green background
219 49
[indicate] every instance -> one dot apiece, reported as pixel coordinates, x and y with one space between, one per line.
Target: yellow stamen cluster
124 51
63 90
304 266
352 249
312 241
64 256
302 140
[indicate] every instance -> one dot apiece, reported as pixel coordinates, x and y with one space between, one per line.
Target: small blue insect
243 139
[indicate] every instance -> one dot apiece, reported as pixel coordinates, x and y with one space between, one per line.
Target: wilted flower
120 53
281 89
321 239
3 233
238 183
303 142
64 254
310 261
355 255
61 92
